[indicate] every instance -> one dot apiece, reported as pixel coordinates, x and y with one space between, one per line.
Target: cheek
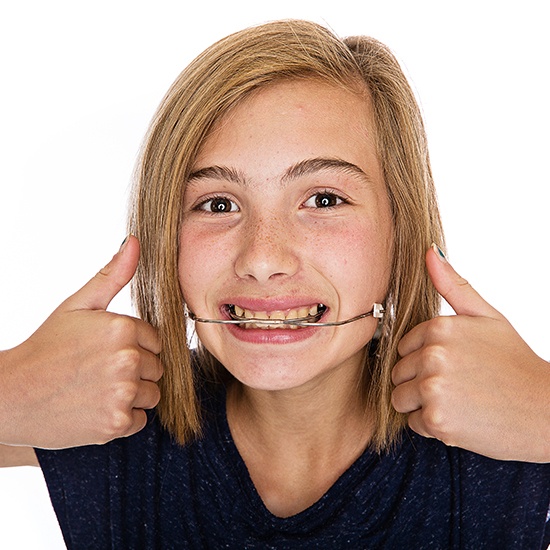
355 257
200 261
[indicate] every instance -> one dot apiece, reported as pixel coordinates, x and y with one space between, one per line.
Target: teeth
238 311
276 315
304 311
292 314
301 312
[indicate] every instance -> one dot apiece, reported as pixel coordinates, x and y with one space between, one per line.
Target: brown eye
219 205
323 200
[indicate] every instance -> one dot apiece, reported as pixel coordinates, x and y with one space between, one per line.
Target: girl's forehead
308 95
311 118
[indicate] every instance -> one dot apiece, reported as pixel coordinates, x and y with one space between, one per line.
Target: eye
326 199
218 205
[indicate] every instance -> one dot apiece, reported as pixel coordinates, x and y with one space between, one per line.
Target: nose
268 250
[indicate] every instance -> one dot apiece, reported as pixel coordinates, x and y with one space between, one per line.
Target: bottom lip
282 335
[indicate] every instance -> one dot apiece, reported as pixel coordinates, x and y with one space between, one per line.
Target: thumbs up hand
86 375
470 380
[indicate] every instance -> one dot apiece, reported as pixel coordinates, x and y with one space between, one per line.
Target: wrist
546 413
12 396
541 399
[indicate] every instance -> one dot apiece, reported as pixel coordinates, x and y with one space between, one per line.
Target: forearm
17 456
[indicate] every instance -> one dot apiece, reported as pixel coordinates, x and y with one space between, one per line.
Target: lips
311 313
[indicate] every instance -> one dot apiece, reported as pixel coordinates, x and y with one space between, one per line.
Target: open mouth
288 319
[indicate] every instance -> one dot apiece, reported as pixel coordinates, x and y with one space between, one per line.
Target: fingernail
123 244
439 253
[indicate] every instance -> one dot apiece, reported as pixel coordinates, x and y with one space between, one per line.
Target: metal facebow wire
310 321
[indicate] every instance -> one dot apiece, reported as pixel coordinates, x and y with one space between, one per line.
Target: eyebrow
302 168
314 165
219 173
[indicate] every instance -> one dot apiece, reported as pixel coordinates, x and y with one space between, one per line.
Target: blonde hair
206 90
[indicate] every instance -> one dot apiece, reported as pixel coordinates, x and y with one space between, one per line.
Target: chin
271 378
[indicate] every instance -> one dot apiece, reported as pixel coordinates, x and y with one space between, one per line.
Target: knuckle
434 356
127 361
440 328
431 388
435 423
122 328
125 394
120 423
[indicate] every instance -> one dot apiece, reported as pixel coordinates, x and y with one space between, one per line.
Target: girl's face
286 210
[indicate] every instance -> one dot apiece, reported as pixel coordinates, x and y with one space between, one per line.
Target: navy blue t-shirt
148 492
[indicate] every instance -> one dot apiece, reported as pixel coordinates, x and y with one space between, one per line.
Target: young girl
284 204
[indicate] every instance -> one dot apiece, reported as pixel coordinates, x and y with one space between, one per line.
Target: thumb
109 281
455 289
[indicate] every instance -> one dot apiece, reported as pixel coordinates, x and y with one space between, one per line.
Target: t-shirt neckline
337 496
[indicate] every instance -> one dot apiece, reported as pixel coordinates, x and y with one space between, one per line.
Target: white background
81 80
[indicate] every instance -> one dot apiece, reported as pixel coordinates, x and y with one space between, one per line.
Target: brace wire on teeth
377 311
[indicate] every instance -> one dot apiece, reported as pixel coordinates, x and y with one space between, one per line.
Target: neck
315 413
296 443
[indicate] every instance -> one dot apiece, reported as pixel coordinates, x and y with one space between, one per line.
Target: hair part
220 78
